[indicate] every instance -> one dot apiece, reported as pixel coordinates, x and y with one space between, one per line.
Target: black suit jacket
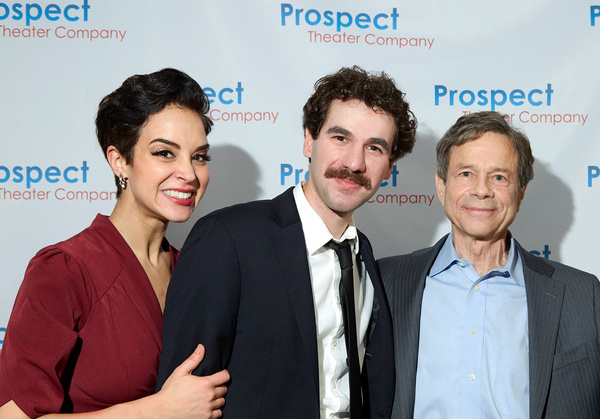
242 288
563 306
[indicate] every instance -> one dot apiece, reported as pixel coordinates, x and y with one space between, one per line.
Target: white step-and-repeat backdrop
537 62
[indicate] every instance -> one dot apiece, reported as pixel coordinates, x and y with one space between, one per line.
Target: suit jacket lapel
406 312
290 248
379 296
544 304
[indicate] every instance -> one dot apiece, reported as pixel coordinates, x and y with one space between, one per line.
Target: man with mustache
258 284
483 328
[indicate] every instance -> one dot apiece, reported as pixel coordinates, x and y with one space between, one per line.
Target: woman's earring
122 182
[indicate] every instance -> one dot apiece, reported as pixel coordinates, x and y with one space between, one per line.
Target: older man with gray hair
484 329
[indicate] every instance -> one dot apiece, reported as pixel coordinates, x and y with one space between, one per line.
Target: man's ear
440 187
520 197
308 144
389 171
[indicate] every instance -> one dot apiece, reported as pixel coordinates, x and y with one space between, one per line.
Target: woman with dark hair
85 331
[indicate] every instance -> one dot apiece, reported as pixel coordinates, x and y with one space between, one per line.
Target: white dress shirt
325 278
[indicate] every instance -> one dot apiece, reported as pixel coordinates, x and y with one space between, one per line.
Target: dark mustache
347 174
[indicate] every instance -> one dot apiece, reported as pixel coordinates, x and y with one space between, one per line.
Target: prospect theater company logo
34 20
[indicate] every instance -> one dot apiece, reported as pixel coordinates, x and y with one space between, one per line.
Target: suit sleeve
597 306
202 300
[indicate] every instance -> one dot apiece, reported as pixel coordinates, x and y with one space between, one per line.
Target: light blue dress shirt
473 346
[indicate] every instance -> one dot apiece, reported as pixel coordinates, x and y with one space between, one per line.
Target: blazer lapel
544 304
414 298
406 297
379 296
290 248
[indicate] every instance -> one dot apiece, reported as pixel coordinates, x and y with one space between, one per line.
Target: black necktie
344 255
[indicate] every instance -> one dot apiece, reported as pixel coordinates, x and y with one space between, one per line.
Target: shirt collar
448 257
316 233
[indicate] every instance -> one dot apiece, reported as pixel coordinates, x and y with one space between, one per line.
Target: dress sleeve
41 340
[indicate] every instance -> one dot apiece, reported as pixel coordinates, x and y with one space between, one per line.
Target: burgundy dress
85 330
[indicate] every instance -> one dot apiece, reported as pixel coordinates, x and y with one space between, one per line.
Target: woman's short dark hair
376 90
123 113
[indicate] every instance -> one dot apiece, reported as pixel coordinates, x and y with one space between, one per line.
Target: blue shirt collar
448 257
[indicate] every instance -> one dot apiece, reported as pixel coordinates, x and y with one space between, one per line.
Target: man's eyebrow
499 169
339 130
380 141
336 129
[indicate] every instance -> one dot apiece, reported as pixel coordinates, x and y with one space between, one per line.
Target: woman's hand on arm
186 395
183 396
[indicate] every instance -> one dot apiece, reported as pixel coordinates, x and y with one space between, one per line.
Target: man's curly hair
376 90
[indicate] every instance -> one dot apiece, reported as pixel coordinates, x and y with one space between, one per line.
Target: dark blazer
242 288
563 306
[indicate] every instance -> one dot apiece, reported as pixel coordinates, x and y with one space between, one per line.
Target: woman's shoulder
87 260
99 237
